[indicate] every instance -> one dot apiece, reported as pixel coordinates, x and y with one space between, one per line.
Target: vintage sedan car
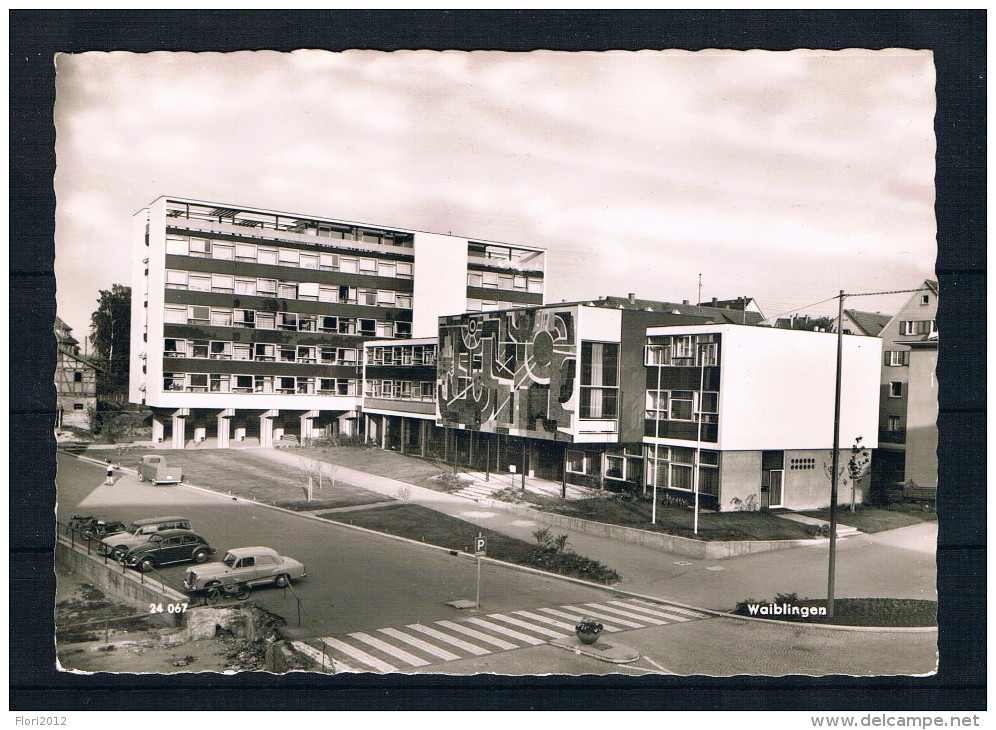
138 532
248 566
168 546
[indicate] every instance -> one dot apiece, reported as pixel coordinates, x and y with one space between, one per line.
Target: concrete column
366 426
266 428
383 432
225 428
404 433
158 428
308 425
180 428
422 435
240 432
200 432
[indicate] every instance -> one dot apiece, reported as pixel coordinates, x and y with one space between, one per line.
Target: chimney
715 301
632 298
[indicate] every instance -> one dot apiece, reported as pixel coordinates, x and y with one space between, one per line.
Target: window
658 354
347 356
199 282
348 265
519 282
367 297
264 352
326 385
221 317
77 377
346 387
305 386
371 237
404 271
896 389
386 268
385 298
306 354
681 405
287 321
368 327
403 301
223 251
266 321
219 384
535 285
245 318
245 251
307 291
474 305
245 286
287 291
77 406
198 348
241 352
917 327
368 266
329 355
306 323
223 283
176 279
309 261
289 257
599 379
925 299
221 350
897 358
328 294
288 353
172 381
708 407
174 348
328 324
683 350
266 287
198 383
176 245
402 329
708 354
428 390
175 315
286 385
504 281
328 261
266 256
199 315
615 467
347 326
263 383
893 424
489 280
200 247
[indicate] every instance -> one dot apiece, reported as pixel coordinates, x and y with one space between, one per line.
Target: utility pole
835 458
699 300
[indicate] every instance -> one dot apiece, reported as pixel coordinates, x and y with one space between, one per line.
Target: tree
855 468
111 338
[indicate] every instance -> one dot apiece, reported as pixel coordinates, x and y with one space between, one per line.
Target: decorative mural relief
510 371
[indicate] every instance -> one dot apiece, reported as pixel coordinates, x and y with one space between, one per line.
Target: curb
526 568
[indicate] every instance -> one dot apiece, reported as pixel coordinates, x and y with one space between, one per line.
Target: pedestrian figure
110 474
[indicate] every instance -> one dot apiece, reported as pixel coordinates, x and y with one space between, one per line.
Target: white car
248 566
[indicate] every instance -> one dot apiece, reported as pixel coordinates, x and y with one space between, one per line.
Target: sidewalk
902 567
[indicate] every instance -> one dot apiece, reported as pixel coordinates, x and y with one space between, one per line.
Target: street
373 603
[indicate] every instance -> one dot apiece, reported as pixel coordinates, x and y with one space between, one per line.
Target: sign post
480 550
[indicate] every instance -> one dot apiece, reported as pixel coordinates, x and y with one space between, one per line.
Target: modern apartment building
248 325
612 396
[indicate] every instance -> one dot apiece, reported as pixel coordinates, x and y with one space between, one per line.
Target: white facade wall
440 285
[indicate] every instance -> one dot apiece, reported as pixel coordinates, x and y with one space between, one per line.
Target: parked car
154 469
168 546
137 533
249 566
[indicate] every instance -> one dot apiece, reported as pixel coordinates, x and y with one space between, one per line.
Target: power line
846 295
807 306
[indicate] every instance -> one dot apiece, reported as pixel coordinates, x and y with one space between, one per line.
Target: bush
745 505
452 482
818 530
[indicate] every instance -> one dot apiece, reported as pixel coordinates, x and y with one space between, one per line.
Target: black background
957 39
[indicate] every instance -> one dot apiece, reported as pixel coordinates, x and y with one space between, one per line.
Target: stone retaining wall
702 549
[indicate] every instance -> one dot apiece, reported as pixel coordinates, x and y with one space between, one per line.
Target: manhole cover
715 567
461 603
681 562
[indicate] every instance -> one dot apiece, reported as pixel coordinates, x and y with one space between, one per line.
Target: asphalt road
356 580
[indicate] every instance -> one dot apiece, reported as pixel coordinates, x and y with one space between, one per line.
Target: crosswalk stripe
574 617
358 654
528 626
321 658
459 643
673 609
506 631
477 635
654 612
446 656
628 614
544 620
389 649
615 619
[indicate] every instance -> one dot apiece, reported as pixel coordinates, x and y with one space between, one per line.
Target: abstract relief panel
512 371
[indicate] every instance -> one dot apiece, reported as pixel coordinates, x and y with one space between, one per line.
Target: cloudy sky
784 176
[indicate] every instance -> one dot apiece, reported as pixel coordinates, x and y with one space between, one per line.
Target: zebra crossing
418 645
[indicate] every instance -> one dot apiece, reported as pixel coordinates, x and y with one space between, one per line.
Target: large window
897 358
599 379
896 389
683 351
674 468
917 327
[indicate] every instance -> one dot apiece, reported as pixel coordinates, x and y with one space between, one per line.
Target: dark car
168 546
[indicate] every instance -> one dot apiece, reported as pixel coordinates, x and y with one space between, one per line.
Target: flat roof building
248 324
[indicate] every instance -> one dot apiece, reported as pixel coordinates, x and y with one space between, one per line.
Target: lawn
403 467
426 525
869 519
857 611
634 512
247 475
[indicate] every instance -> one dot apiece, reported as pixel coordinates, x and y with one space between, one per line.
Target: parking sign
480 546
